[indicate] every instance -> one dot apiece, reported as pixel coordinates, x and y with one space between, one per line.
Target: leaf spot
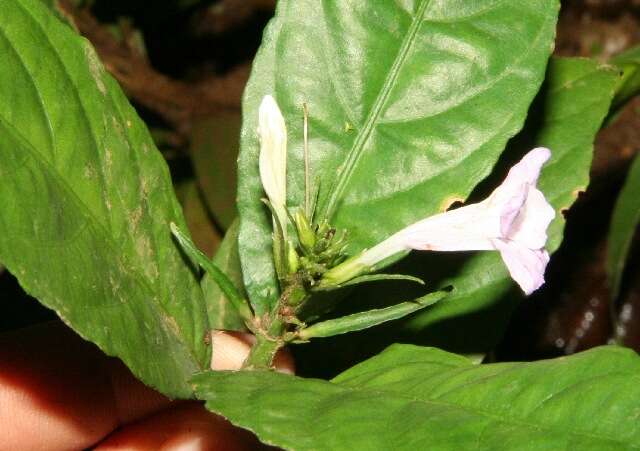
89 172
115 285
136 216
451 201
97 71
576 192
144 188
108 161
172 325
144 250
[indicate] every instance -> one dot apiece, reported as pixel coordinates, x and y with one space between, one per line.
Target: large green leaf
624 222
410 103
423 398
86 204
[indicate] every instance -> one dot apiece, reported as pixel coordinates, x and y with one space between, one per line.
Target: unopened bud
273 157
293 261
306 236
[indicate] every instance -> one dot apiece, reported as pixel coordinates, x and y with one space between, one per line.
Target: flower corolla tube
512 220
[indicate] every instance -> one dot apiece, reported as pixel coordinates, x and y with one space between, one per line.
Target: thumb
231 349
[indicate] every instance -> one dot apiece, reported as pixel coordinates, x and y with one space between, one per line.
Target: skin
59 392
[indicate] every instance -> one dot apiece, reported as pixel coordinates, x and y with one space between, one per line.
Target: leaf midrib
51 135
516 421
134 270
358 146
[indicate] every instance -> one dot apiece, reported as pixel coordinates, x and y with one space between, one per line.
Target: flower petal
509 197
530 226
527 170
466 228
525 265
512 220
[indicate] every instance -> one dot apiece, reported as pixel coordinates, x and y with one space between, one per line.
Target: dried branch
177 102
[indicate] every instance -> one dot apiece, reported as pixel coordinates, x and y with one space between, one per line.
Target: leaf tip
174 228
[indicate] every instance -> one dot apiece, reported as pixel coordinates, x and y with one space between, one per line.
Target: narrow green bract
221 313
370 318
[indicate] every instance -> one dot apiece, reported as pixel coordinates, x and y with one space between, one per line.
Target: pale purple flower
512 220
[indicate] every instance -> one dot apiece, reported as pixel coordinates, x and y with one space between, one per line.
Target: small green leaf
629 84
411 398
223 281
432 91
221 313
364 320
86 204
203 232
624 222
373 278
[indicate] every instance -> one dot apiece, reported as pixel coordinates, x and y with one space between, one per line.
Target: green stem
262 353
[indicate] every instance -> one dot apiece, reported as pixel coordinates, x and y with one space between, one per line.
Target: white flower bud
273 157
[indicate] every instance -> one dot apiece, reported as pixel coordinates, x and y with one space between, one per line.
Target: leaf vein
358 146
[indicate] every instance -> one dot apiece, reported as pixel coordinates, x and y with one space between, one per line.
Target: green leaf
410 105
373 278
221 313
629 84
86 204
220 278
624 222
410 398
202 230
370 318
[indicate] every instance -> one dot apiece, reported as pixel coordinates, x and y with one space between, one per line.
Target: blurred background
184 64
